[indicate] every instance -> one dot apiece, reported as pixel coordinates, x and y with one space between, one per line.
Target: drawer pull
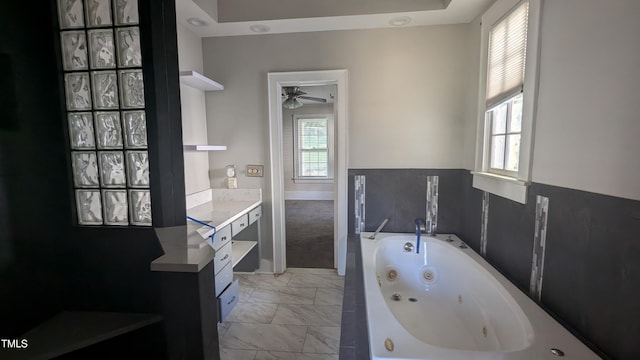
232 300
223 238
225 257
242 225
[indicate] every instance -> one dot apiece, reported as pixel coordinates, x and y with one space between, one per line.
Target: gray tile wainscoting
400 195
539 240
591 262
483 225
360 190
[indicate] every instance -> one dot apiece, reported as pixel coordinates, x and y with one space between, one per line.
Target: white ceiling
457 11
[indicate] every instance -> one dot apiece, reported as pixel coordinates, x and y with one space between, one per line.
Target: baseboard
308 195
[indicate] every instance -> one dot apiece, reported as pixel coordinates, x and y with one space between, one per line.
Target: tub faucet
421 227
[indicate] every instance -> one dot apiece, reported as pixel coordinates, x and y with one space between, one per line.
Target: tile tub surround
400 195
354 338
592 243
296 315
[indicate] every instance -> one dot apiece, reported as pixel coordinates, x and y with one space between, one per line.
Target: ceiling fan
293 93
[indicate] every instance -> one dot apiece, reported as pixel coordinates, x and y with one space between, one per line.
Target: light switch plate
255 170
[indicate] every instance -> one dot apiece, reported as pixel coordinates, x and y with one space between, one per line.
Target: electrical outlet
255 170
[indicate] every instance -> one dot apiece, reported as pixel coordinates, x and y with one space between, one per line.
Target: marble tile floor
293 316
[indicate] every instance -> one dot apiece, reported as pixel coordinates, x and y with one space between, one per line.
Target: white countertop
217 214
186 247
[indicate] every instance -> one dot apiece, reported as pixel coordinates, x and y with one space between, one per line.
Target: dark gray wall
591 278
49 264
400 196
34 184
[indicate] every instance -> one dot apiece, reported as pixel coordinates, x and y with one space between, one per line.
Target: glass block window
104 94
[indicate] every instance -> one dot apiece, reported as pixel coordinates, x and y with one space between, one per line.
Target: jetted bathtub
446 302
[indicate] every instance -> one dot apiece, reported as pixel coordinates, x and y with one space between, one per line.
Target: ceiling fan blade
292 91
313 98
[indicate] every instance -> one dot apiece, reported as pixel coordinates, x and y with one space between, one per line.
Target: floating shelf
205 147
199 81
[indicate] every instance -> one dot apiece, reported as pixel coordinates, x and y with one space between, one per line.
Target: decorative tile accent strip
431 220
359 185
539 239
484 224
104 90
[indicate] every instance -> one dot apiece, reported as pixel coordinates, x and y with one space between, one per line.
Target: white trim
308 195
310 180
529 104
308 78
503 186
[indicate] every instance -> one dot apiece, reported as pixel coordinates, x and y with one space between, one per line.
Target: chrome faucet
421 227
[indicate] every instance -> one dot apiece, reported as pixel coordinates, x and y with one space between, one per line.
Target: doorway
305 79
308 153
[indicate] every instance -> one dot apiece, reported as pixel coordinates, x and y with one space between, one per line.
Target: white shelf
205 147
240 249
199 81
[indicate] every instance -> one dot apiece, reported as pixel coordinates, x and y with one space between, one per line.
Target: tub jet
388 344
392 275
557 352
395 297
428 275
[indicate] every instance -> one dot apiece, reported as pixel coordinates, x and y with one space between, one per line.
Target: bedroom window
313 148
507 98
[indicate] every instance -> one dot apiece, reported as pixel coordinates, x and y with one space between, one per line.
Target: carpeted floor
309 233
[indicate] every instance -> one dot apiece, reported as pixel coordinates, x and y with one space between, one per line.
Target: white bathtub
452 305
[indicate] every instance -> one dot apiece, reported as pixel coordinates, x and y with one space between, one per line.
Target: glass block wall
104 94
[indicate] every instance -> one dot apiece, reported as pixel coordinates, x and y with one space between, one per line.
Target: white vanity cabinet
239 225
231 216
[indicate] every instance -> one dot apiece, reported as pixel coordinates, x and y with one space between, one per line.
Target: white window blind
507 54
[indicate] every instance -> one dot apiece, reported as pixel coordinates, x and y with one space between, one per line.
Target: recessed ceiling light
259 28
197 22
400 21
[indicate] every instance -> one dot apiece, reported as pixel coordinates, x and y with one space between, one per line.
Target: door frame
276 81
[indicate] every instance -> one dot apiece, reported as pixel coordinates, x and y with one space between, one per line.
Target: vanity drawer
224 277
222 237
228 299
239 225
222 257
255 214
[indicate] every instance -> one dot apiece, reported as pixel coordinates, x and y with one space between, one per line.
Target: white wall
471 113
194 121
287 154
588 123
409 93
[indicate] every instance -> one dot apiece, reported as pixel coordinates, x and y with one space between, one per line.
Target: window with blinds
507 55
505 80
312 147
510 43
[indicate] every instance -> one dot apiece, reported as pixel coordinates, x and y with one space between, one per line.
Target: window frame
511 185
508 102
297 177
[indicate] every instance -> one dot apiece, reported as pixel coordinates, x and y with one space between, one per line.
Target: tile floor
294 316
